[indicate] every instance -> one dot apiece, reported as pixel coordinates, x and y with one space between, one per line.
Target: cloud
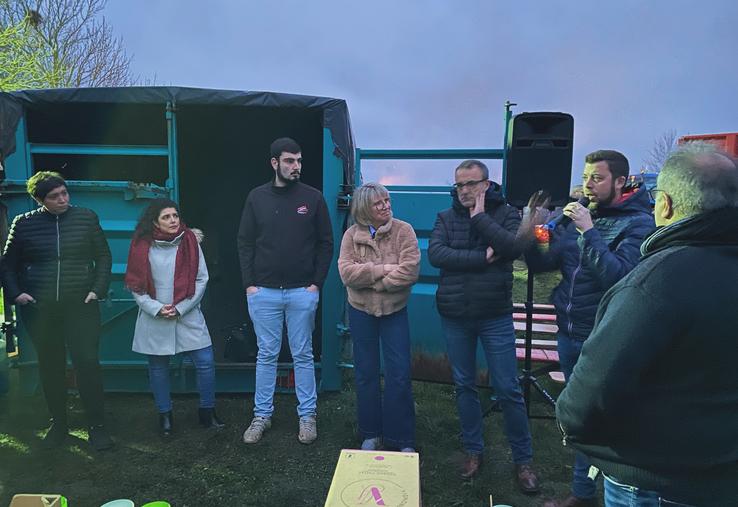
436 74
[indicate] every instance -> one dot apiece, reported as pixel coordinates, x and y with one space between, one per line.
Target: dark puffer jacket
56 257
469 285
592 262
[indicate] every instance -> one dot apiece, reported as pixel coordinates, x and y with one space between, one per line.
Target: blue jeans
497 336
204 367
624 495
269 308
392 416
581 486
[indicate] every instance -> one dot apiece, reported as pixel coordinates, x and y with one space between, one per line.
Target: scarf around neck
138 277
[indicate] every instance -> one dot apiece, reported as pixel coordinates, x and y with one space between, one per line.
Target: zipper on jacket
570 324
563 433
58 258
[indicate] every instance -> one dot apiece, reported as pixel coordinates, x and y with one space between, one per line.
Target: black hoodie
470 286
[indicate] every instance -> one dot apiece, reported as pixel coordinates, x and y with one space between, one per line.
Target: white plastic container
121 502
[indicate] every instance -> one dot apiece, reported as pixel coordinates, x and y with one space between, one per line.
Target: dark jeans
497 337
391 416
53 327
582 486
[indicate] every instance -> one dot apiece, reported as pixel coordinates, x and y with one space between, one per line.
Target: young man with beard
594 251
653 399
474 245
285 245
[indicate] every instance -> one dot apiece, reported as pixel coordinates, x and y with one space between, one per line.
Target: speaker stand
528 378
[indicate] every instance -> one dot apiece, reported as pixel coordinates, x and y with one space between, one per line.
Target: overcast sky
436 74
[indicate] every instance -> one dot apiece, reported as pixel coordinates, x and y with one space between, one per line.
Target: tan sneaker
308 430
256 429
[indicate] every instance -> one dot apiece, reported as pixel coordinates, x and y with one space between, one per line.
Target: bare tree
662 148
78 47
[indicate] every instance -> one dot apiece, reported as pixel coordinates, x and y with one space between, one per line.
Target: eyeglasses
459 186
652 193
384 203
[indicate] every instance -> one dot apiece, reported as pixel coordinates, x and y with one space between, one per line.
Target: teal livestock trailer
121 147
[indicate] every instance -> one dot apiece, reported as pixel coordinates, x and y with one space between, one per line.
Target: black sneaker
56 436
99 438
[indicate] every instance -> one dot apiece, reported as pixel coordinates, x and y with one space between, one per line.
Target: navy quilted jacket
469 286
592 262
56 257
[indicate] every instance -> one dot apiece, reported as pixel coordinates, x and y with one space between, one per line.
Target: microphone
563 219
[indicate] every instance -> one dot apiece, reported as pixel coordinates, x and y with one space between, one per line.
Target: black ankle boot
165 424
99 438
209 419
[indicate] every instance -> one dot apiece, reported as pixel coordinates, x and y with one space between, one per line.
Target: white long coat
164 337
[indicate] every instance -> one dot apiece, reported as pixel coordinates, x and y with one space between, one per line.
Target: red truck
726 142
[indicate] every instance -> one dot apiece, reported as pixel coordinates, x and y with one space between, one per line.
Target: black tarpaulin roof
335 111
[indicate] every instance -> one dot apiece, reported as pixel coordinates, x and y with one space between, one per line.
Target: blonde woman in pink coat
379 263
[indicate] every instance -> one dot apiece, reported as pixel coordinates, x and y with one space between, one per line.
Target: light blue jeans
624 495
269 309
204 368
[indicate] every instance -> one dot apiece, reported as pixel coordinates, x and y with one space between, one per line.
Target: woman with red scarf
167 274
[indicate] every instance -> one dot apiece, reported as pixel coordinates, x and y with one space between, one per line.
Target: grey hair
699 178
364 198
471 164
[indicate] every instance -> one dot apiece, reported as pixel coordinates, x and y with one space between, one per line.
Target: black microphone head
563 219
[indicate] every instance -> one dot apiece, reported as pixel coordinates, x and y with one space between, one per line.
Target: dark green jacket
653 399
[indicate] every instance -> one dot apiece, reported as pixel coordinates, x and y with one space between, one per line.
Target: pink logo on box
371 494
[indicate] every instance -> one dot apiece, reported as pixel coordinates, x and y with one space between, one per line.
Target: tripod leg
542 391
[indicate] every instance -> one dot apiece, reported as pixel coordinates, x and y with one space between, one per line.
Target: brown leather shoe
527 479
470 467
571 501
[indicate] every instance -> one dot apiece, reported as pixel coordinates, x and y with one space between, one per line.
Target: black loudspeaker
539 157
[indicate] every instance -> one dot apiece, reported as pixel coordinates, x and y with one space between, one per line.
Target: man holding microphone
595 245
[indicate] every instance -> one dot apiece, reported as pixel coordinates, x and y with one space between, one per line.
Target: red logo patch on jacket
302 210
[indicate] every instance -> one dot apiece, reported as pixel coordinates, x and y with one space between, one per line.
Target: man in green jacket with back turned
653 399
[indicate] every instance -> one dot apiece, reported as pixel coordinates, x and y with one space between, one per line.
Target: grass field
205 468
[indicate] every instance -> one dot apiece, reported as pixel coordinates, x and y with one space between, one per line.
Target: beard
605 201
286 179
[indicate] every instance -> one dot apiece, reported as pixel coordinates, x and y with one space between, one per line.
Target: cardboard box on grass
43 500
369 478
